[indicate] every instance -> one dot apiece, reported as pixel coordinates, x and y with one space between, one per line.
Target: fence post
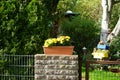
80 67
87 70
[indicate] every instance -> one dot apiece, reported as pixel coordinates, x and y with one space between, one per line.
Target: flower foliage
59 41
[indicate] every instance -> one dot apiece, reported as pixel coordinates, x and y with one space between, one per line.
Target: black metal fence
21 67
17 67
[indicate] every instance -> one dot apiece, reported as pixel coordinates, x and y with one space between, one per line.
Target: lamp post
84 53
69 14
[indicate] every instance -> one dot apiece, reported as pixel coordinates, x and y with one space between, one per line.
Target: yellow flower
54 40
61 40
67 37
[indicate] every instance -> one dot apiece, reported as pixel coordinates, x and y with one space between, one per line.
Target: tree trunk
107 9
105 22
115 31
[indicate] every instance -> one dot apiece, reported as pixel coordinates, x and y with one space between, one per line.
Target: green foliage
115 48
86 8
67 5
23 26
82 32
89 8
3 63
115 15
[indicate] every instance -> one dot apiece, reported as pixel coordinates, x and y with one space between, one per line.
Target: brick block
49 67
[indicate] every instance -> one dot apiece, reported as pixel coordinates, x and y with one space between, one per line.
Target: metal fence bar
17 67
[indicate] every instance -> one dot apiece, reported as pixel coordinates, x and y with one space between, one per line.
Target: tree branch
115 31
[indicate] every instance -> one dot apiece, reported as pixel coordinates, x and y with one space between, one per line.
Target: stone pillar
63 67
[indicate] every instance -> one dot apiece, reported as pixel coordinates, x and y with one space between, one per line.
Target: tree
115 31
107 8
24 25
83 29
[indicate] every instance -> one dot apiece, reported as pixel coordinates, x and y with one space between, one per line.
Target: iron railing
17 67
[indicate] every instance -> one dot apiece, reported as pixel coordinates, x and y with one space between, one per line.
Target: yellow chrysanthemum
60 40
54 40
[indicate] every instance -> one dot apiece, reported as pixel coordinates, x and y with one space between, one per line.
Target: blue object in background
102 46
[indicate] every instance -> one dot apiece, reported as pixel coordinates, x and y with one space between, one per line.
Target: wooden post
80 67
87 70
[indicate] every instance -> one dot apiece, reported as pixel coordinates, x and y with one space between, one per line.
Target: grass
101 75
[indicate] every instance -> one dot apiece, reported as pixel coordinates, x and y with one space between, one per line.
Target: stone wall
48 67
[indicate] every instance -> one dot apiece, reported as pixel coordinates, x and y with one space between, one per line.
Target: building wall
59 67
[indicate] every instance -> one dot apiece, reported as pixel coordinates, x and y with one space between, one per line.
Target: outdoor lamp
69 13
84 52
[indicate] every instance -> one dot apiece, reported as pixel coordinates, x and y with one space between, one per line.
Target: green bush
115 48
83 32
23 26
